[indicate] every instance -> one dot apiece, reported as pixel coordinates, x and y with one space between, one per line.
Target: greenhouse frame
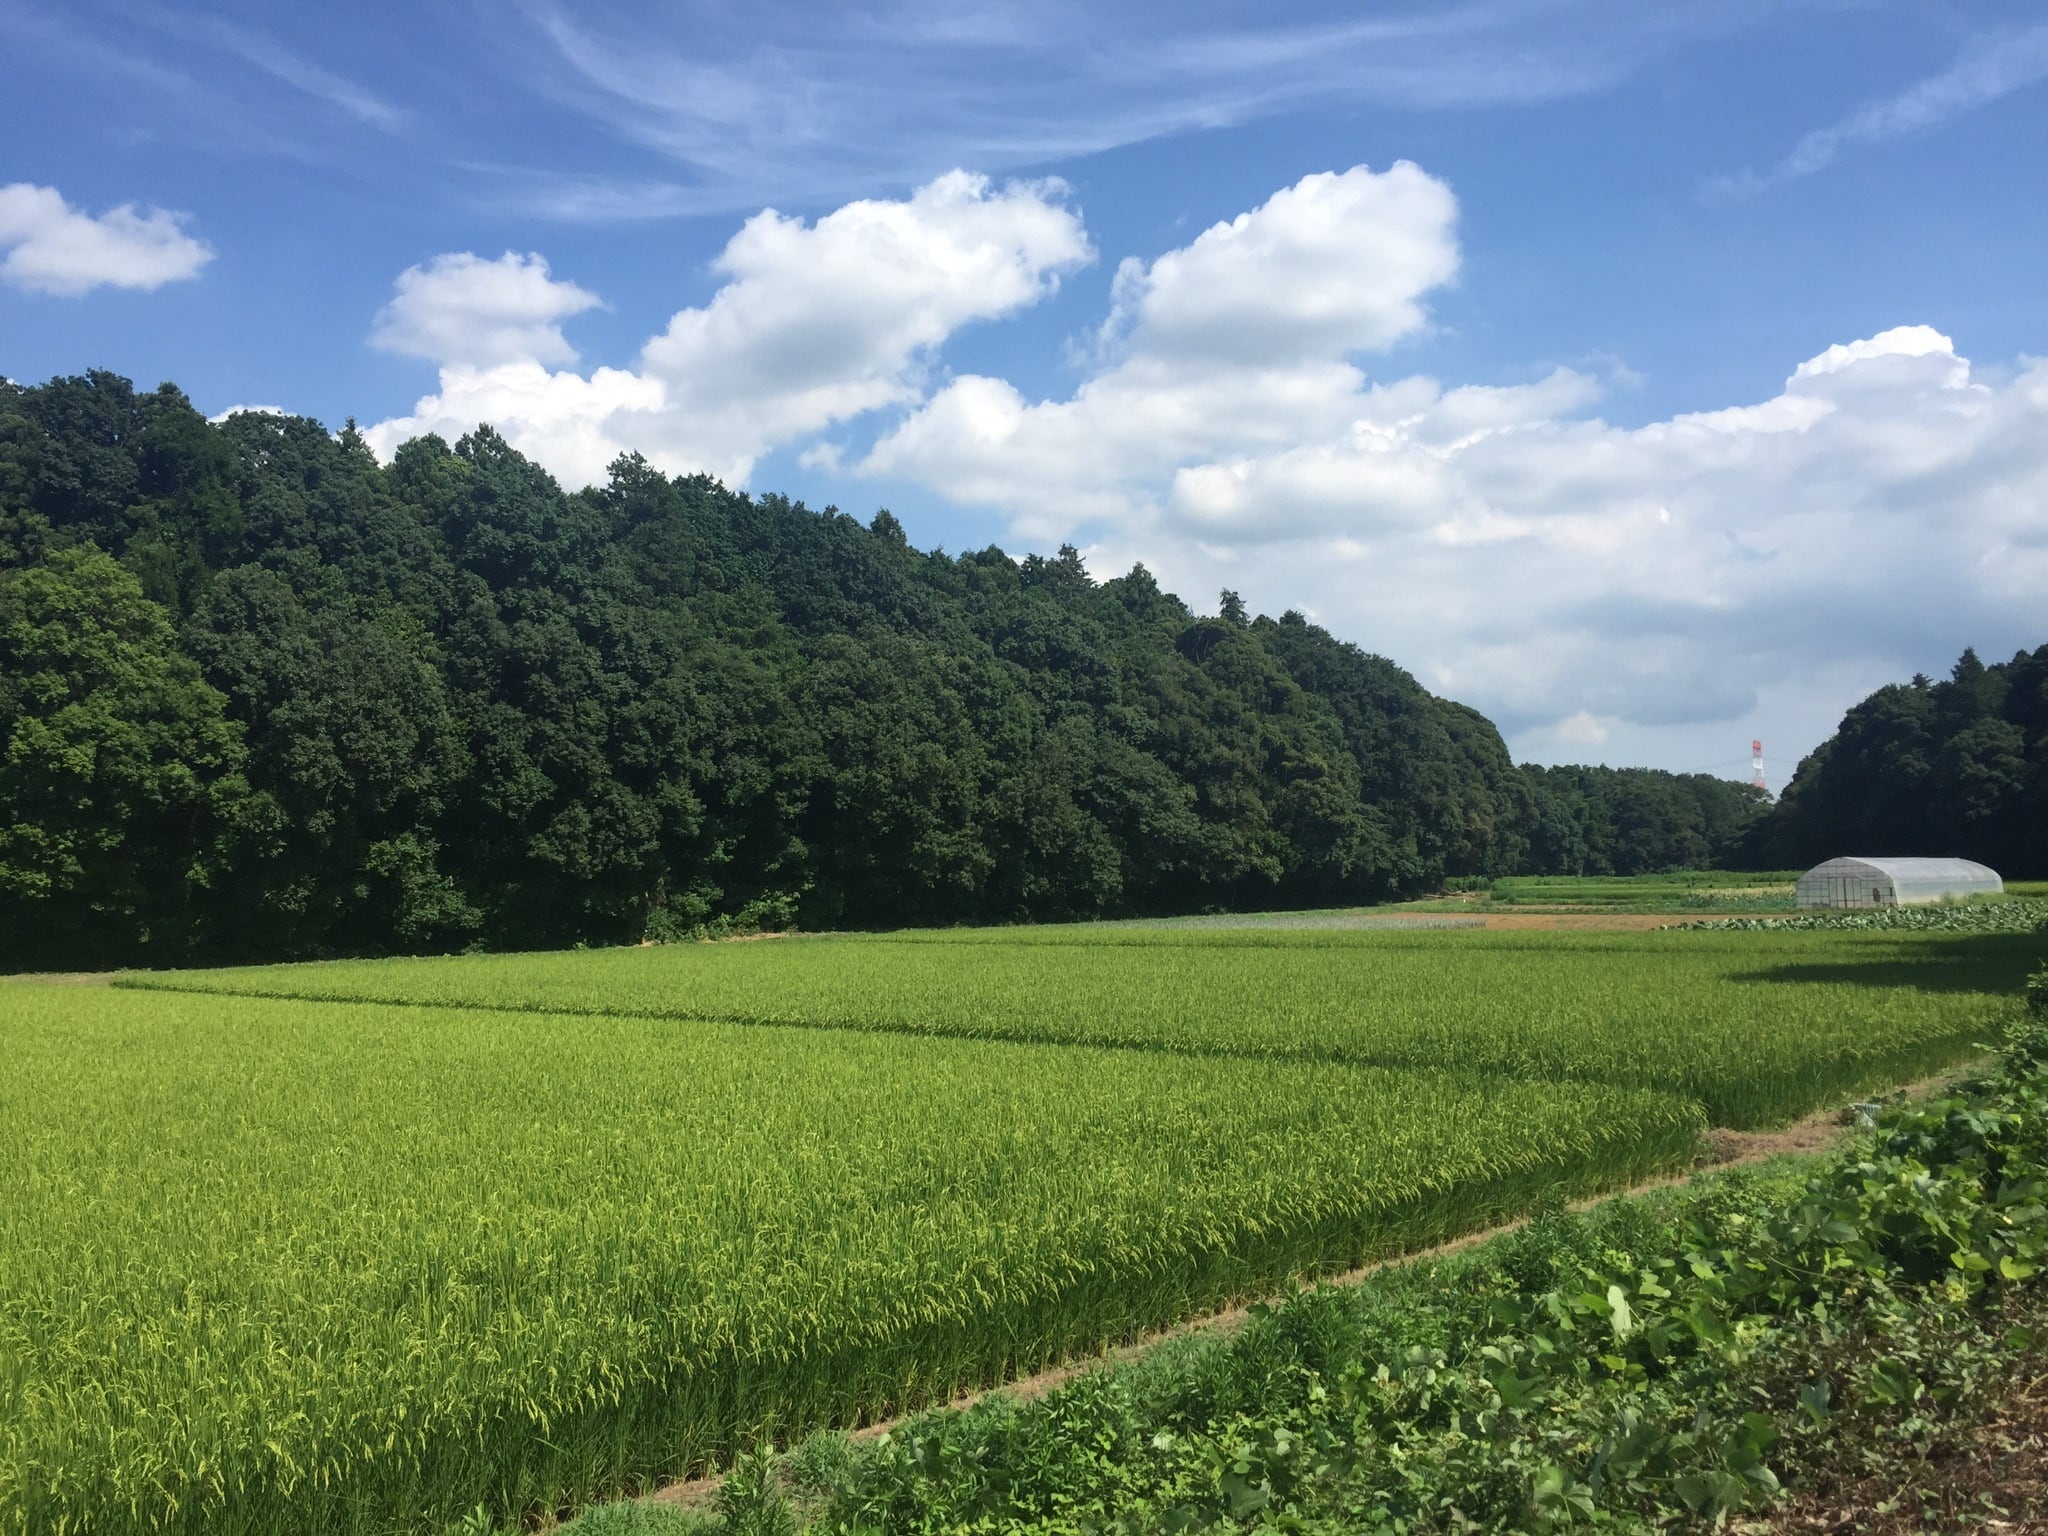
1850 882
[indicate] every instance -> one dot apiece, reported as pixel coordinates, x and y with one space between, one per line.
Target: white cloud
1331 265
1242 338
815 324
1901 341
809 104
1990 67
1634 593
1580 733
820 323
1570 577
570 425
1665 573
54 248
253 410
459 310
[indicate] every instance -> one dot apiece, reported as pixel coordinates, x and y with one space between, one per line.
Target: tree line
1957 768
263 697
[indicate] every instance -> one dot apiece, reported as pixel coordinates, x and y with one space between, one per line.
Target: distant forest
1954 768
261 697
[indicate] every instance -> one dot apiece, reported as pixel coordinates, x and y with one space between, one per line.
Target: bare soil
1813 1134
1989 1475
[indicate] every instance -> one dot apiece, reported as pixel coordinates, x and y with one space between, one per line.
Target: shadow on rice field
1982 962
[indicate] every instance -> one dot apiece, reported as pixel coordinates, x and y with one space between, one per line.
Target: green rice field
359 1246
1758 1028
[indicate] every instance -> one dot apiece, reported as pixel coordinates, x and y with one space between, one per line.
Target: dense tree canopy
119 770
1941 769
261 696
1631 821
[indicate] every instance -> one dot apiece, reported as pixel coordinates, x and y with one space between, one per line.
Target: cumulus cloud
570 424
1904 341
53 247
1634 593
814 324
820 323
462 311
1628 592
1243 337
1882 510
1331 265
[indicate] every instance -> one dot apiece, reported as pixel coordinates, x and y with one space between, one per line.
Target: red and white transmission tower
1756 763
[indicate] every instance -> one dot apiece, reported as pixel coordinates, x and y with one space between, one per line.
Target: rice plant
1758 1028
270 1266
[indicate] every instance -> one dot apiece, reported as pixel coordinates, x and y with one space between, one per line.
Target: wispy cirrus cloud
183 77
1988 68
360 103
568 197
614 111
810 103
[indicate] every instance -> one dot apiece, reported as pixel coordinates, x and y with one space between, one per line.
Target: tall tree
119 771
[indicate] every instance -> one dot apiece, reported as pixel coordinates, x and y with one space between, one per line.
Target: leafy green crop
274 1267
1680 891
2014 916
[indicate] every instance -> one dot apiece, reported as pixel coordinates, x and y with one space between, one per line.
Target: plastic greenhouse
1893 882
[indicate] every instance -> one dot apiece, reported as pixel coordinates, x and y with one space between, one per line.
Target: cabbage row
2022 915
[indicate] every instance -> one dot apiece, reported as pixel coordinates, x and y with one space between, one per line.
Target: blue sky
1515 364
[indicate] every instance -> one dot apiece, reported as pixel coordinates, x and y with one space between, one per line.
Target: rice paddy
1758 1028
360 1246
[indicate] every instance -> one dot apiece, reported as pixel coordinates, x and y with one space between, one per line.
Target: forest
262 697
1957 767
